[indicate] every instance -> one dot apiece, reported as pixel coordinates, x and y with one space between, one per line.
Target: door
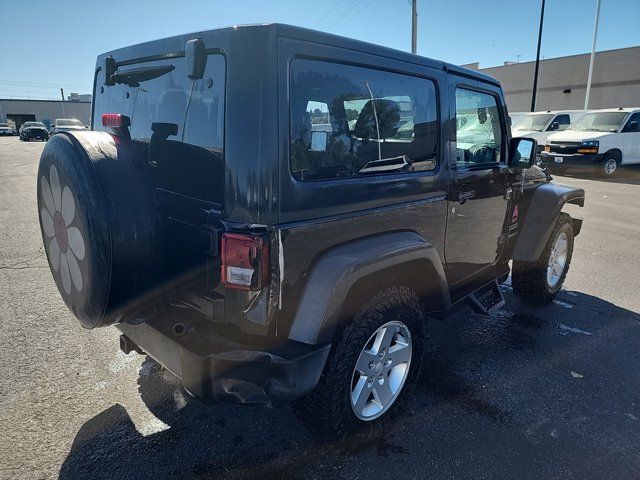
478 194
631 140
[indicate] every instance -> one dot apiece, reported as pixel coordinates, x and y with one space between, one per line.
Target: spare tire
100 225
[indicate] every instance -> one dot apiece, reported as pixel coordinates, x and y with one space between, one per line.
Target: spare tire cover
99 224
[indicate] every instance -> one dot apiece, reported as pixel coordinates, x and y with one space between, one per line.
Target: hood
35 128
575 136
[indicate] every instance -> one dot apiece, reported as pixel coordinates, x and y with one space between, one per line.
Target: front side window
349 121
634 118
478 131
563 121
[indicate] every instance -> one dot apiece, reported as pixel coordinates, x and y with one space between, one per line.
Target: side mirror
319 141
522 153
554 126
632 127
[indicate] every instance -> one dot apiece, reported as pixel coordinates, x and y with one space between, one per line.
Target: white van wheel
609 166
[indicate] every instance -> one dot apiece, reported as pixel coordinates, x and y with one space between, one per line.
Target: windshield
69 123
4 125
33 124
533 122
599 122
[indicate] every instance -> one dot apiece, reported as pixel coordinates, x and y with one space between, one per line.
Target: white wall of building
46 109
616 81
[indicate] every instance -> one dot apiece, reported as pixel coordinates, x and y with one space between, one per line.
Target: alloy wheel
381 370
610 166
557 260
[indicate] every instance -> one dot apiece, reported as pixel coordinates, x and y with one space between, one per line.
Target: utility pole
414 26
535 75
62 104
593 54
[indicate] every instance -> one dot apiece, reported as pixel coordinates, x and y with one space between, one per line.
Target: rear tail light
245 261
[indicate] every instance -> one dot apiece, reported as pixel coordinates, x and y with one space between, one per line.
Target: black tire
327 411
610 166
98 211
529 279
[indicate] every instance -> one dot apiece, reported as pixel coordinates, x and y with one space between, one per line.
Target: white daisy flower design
64 243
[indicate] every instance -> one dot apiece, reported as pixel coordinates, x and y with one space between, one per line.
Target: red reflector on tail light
245 261
115 120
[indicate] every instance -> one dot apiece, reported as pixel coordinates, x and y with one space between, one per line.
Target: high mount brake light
245 261
115 120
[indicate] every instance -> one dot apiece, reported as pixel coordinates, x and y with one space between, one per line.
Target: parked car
539 125
600 141
67 125
5 129
33 130
262 261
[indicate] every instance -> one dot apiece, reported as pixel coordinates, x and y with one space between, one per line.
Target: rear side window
563 121
349 121
180 122
478 131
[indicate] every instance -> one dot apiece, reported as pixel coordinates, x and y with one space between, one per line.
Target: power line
41 85
344 12
355 14
324 17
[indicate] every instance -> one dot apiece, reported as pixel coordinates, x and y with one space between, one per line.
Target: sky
52 45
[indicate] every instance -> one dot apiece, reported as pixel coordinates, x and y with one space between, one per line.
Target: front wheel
609 166
539 282
373 366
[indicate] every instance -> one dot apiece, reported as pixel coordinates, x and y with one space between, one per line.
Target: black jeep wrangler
272 214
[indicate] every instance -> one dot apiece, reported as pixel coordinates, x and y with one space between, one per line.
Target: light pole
593 53
414 26
535 75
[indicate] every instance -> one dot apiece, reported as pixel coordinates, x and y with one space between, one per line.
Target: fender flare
337 271
545 204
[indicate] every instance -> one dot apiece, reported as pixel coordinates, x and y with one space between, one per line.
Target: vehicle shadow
467 352
628 174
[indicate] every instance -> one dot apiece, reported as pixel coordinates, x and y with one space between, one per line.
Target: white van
601 140
540 125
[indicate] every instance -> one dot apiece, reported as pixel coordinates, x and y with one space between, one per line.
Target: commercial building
562 82
16 112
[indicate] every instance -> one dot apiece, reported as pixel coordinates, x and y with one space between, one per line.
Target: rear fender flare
336 273
545 204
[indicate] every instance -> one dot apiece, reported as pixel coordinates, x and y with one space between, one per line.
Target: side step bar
487 299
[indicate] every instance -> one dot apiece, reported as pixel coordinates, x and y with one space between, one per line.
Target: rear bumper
216 369
574 160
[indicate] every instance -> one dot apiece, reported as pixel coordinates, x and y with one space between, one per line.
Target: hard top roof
176 44
610 110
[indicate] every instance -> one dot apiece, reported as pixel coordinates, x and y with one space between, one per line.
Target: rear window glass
181 120
349 121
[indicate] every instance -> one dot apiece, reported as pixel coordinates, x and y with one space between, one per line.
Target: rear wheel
372 369
539 282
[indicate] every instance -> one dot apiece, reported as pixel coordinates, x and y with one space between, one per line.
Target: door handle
466 195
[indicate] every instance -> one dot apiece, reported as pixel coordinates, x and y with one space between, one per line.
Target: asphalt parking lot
547 392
